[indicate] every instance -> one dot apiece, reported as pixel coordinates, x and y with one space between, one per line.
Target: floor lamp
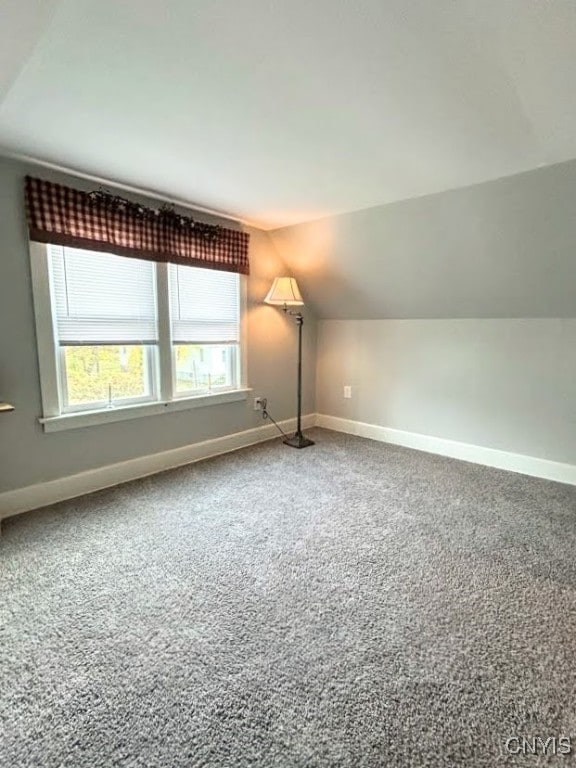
285 293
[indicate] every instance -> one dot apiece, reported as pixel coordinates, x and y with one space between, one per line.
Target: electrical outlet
260 403
347 392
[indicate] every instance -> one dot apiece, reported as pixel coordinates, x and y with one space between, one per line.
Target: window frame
56 416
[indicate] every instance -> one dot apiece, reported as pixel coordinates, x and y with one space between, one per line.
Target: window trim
92 418
56 418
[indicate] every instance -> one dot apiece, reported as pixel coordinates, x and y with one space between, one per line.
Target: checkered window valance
99 221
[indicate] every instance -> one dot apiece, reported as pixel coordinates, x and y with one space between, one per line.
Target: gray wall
28 455
469 277
505 384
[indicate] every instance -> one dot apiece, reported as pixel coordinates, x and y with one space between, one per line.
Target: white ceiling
280 111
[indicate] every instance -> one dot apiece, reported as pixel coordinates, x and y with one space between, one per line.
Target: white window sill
91 418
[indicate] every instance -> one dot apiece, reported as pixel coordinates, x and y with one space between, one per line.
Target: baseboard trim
491 457
42 494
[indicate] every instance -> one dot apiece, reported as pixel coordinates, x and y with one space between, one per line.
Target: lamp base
298 441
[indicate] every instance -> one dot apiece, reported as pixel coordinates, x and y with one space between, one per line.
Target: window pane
204 305
103 373
100 298
202 367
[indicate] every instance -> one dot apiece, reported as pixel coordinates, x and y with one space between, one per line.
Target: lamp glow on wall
285 293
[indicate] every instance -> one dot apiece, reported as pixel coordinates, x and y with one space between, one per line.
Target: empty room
287 383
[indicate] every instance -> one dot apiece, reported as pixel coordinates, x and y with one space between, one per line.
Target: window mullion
165 355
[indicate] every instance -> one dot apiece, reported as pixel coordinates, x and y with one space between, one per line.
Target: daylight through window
127 331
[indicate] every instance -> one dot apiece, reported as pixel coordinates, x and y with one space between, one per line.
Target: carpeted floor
350 605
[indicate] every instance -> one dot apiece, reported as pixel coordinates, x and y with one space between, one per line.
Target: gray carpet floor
350 605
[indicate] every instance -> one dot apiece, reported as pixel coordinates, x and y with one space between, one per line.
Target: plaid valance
99 221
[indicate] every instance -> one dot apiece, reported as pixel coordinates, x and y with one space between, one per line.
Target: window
106 328
204 312
117 332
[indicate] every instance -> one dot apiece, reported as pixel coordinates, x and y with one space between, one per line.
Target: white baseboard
43 494
491 457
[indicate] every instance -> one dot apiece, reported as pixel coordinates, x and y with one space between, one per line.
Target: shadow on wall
310 251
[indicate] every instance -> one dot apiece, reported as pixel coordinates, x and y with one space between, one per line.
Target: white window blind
204 305
103 299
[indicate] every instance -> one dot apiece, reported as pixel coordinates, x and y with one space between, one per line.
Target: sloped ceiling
501 249
281 111
21 25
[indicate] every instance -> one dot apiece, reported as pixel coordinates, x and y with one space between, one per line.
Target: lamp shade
284 292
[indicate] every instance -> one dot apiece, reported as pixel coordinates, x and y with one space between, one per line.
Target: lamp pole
298 440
